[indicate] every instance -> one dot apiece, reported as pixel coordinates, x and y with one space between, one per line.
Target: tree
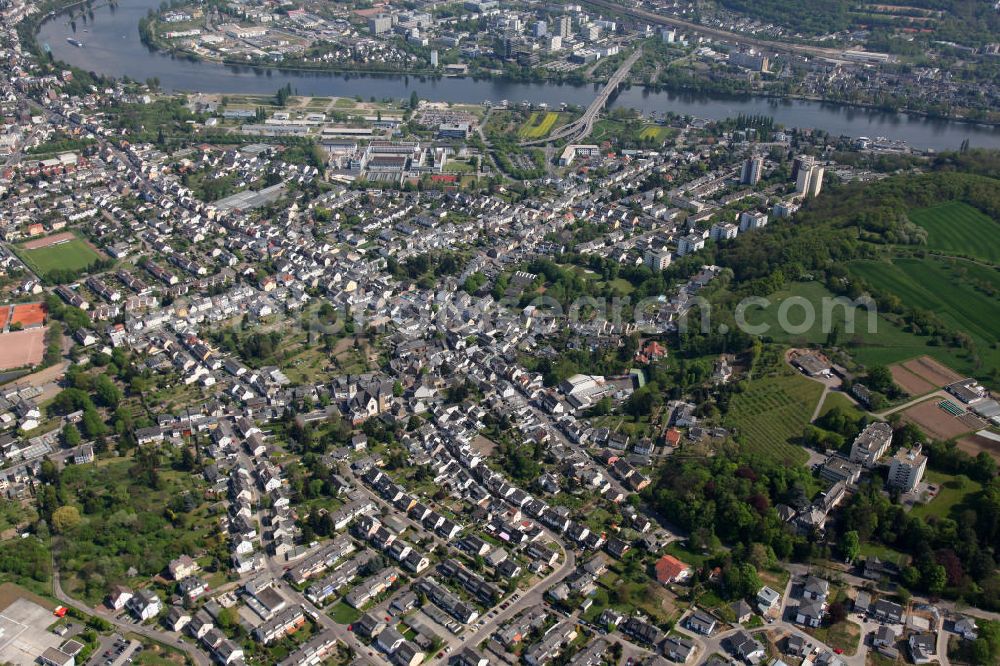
98 623
228 618
414 100
474 282
850 546
109 394
838 613
187 459
92 424
936 579
65 518
740 581
602 407
833 336
281 97
71 436
911 577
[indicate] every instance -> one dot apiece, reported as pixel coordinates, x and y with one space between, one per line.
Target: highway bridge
582 126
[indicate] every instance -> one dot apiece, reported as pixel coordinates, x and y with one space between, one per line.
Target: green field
538 124
656 133
343 614
74 255
885 553
771 413
838 399
887 343
621 286
955 291
951 493
958 228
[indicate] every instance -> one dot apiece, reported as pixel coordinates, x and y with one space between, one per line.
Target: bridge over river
581 127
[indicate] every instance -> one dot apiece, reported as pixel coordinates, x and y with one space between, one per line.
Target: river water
112 47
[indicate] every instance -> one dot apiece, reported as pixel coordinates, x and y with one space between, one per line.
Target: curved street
196 655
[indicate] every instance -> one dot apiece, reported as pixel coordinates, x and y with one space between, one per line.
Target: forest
731 497
848 224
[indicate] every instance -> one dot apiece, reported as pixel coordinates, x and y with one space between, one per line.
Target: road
779 629
717 33
532 597
194 653
584 125
276 568
858 582
940 394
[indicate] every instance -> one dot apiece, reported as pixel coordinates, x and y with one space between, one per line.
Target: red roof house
671 570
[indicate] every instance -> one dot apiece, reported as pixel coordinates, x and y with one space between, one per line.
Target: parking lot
114 651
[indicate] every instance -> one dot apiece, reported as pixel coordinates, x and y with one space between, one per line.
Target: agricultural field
958 228
887 343
771 413
538 124
922 375
911 383
975 444
939 423
960 293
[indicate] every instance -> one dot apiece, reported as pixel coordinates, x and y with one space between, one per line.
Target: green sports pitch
73 255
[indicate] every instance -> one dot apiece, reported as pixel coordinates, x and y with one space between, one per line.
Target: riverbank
706 87
114 49
151 38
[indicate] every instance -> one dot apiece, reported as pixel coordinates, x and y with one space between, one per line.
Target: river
113 48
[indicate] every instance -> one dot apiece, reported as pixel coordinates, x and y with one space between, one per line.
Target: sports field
771 413
538 124
72 254
958 228
22 348
28 314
